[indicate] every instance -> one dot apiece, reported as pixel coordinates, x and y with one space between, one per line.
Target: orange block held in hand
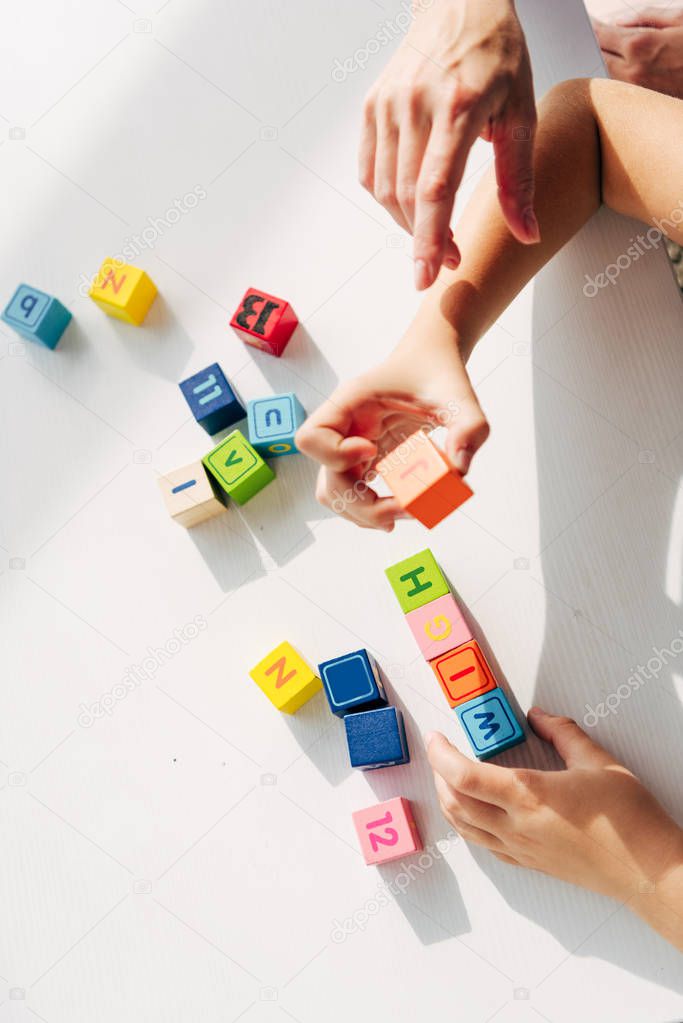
422 480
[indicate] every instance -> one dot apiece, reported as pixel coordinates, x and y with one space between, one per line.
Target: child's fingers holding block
422 480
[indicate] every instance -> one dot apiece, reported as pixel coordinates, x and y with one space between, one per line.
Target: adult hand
646 49
462 70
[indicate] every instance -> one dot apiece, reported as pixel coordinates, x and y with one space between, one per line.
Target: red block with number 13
265 321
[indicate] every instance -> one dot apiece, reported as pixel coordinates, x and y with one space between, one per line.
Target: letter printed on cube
422 480
123 291
212 400
265 321
387 831
190 496
36 315
463 673
438 626
240 470
417 580
490 724
273 422
285 678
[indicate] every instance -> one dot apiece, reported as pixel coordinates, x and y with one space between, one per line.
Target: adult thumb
467 432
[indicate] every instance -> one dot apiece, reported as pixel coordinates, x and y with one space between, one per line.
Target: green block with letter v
417 581
240 471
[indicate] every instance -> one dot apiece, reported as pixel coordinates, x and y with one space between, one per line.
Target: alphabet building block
463 673
240 470
273 422
490 724
213 402
422 480
387 831
123 291
376 738
417 580
264 321
352 682
285 678
438 626
37 316
190 496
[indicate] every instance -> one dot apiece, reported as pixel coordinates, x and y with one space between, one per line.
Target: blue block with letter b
273 422
36 315
490 724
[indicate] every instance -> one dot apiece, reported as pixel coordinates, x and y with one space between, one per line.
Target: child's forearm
597 141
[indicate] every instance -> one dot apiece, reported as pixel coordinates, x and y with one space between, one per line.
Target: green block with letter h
417 581
238 468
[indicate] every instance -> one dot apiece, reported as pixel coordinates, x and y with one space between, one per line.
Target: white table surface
187 856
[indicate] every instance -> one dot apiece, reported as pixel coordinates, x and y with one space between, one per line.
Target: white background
187 857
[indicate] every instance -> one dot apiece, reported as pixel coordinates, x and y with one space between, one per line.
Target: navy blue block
376 738
213 402
352 682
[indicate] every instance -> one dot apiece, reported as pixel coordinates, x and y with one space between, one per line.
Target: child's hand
420 383
593 824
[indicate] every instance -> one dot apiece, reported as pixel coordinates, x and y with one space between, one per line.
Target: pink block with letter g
438 626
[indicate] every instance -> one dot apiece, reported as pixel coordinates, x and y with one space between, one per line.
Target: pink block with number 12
387 831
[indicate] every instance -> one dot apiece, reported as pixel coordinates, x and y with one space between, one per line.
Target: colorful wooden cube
417 580
463 673
422 480
376 738
123 291
36 315
490 724
438 626
285 678
387 831
273 422
240 470
264 321
190 496
352 682
214 404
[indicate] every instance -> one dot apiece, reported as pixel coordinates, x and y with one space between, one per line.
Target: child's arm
597 141
592 824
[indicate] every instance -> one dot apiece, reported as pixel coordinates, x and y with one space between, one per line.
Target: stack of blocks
454 655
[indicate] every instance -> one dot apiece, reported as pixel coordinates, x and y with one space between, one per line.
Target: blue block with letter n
214 404
36 315
376 738
352 683
490 724
273 422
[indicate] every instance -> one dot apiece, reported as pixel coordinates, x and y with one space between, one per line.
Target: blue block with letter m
490 724
214 404
36 315
273 422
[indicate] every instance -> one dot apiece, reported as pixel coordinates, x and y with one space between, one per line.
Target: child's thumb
467 432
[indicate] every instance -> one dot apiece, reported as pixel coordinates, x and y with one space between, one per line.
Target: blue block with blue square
36 315
352 682
214 404
376 738
490 724
273 423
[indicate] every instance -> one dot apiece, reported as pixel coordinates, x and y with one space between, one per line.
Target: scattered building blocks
422 480
212 400
240 470
417 581
264 321
438 626
37 316
490 724
376 738
123 291
463 673
387 831
273 422
352 682
285 678
191 496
